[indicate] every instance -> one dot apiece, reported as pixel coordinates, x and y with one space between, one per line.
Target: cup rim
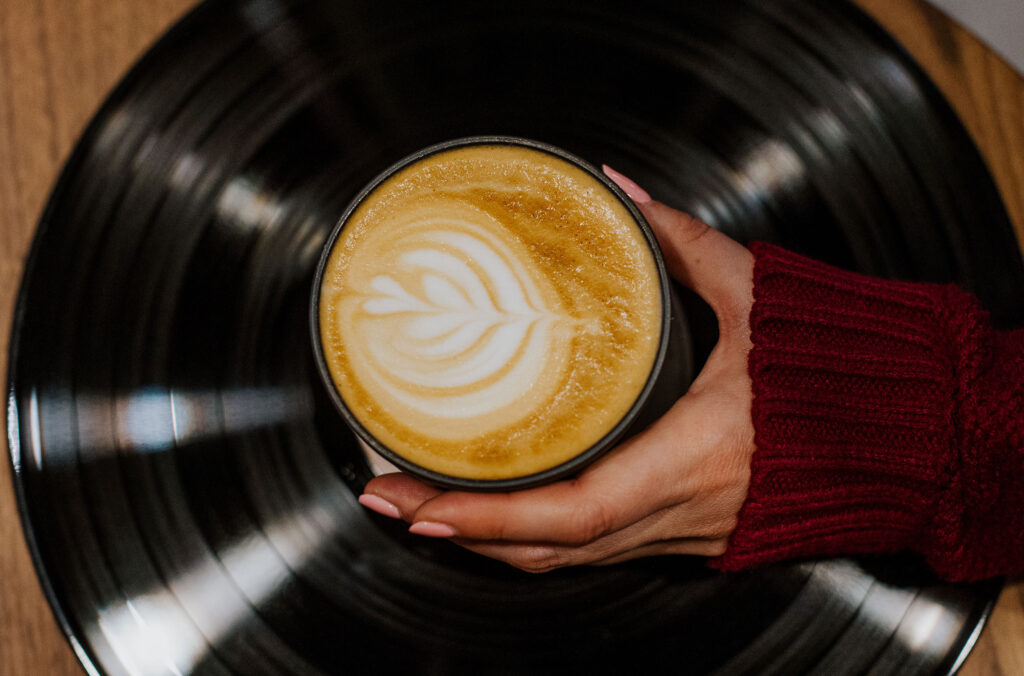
573 464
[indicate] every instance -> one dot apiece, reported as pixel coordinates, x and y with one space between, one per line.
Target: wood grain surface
58 60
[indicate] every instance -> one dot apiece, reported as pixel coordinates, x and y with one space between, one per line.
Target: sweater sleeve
888 416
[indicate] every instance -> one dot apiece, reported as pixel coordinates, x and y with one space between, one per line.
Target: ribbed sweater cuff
853 406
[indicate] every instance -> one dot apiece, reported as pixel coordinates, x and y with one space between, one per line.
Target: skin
675 488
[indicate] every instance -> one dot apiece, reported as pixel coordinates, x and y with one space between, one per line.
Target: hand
674 488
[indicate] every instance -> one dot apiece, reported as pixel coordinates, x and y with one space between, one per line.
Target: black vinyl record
189 493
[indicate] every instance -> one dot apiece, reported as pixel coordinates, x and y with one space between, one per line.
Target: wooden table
59 58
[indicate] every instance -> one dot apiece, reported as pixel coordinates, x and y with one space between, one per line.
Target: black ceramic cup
667 381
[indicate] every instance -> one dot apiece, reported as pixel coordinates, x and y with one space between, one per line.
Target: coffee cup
493 313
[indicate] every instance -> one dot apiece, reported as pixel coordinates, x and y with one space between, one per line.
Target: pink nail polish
379 505
431 529
635 192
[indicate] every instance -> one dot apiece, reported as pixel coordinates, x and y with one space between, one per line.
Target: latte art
457 315
490 312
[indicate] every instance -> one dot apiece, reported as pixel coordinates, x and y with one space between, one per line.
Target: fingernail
431 529
379 505
635 192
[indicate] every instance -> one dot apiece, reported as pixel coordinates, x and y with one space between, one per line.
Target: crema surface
490 312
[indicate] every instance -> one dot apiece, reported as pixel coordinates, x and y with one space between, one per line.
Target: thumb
711 263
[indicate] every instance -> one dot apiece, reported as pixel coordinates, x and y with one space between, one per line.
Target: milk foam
451 334
490 312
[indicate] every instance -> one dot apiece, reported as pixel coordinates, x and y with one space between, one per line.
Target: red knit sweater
888 416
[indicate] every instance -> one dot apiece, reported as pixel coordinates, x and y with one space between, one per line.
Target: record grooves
189 493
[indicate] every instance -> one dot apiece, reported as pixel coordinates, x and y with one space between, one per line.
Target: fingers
396 495
652 496
556 512
568 512
674 530
655 485
709 262
640 477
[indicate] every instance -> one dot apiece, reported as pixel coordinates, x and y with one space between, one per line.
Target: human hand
674 488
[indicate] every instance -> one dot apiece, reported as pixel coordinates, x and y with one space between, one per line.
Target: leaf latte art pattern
489 312
457 328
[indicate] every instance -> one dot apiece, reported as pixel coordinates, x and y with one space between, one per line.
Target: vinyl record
189 493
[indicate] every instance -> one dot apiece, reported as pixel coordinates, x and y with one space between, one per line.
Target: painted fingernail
432 529
635 192
379 505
